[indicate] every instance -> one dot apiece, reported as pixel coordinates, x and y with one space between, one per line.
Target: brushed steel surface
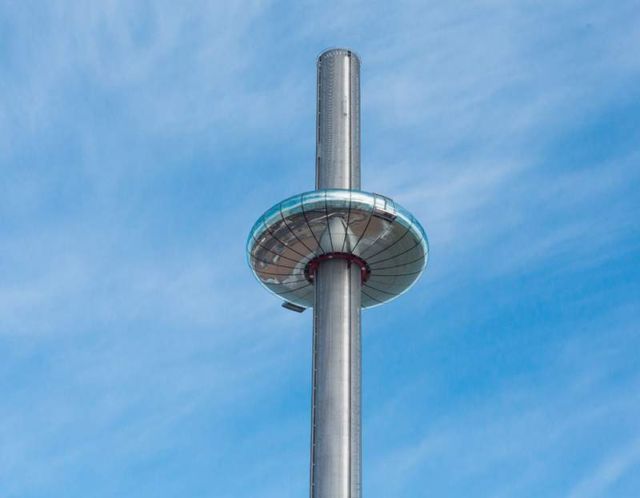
338 120
335 439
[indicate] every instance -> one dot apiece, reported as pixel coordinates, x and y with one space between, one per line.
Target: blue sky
139 141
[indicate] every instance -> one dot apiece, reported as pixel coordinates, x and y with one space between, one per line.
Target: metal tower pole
335 432
344 265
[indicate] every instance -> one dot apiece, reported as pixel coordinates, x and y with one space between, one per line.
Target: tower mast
337 249
335 427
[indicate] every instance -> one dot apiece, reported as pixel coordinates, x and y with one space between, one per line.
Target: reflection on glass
373 227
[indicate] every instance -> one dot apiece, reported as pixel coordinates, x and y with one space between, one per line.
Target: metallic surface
298 231
339 250
335 427
338 120
335 446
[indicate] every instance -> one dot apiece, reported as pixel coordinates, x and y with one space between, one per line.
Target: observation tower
337 249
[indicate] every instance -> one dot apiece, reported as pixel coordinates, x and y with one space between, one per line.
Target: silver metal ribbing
336 433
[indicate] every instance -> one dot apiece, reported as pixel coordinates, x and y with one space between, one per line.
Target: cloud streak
139 142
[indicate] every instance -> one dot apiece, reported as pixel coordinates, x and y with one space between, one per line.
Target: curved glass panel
373 227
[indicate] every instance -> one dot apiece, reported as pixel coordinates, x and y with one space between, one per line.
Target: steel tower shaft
335 431
337 249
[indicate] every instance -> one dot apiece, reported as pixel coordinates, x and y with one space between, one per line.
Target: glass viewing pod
288 242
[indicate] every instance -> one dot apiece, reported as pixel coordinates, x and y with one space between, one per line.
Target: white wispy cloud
608 472
514 440
129 323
